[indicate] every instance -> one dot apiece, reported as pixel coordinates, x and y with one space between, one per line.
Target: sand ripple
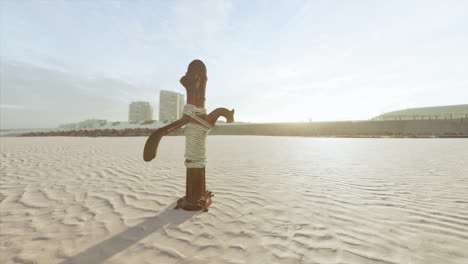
277 200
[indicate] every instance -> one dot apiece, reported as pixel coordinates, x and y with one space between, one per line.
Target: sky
272 61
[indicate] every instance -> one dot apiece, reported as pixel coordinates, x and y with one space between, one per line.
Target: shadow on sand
109 247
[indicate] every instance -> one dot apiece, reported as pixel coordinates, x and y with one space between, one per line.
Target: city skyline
290 61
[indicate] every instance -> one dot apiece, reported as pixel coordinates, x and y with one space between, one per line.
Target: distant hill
38 97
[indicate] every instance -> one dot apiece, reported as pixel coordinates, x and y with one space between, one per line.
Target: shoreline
456 128
99 133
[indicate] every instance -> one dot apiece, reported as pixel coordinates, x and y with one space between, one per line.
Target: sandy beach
71 200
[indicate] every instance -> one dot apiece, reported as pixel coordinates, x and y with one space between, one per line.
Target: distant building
140 111
171 106
435 112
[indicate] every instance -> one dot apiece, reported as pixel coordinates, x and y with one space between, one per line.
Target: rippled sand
277 200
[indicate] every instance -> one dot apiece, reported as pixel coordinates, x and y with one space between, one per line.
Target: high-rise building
140 111
171 106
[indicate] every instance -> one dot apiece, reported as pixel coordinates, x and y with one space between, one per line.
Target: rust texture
196 196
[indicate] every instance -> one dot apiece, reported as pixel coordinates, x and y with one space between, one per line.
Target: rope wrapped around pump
195 137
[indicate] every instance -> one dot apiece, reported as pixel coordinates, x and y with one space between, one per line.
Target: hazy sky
273 61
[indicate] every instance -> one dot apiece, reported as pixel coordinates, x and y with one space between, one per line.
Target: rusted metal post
196 196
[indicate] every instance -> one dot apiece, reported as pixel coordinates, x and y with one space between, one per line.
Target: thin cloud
282 61
11 106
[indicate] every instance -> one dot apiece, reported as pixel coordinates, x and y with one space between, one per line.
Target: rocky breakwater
128 132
